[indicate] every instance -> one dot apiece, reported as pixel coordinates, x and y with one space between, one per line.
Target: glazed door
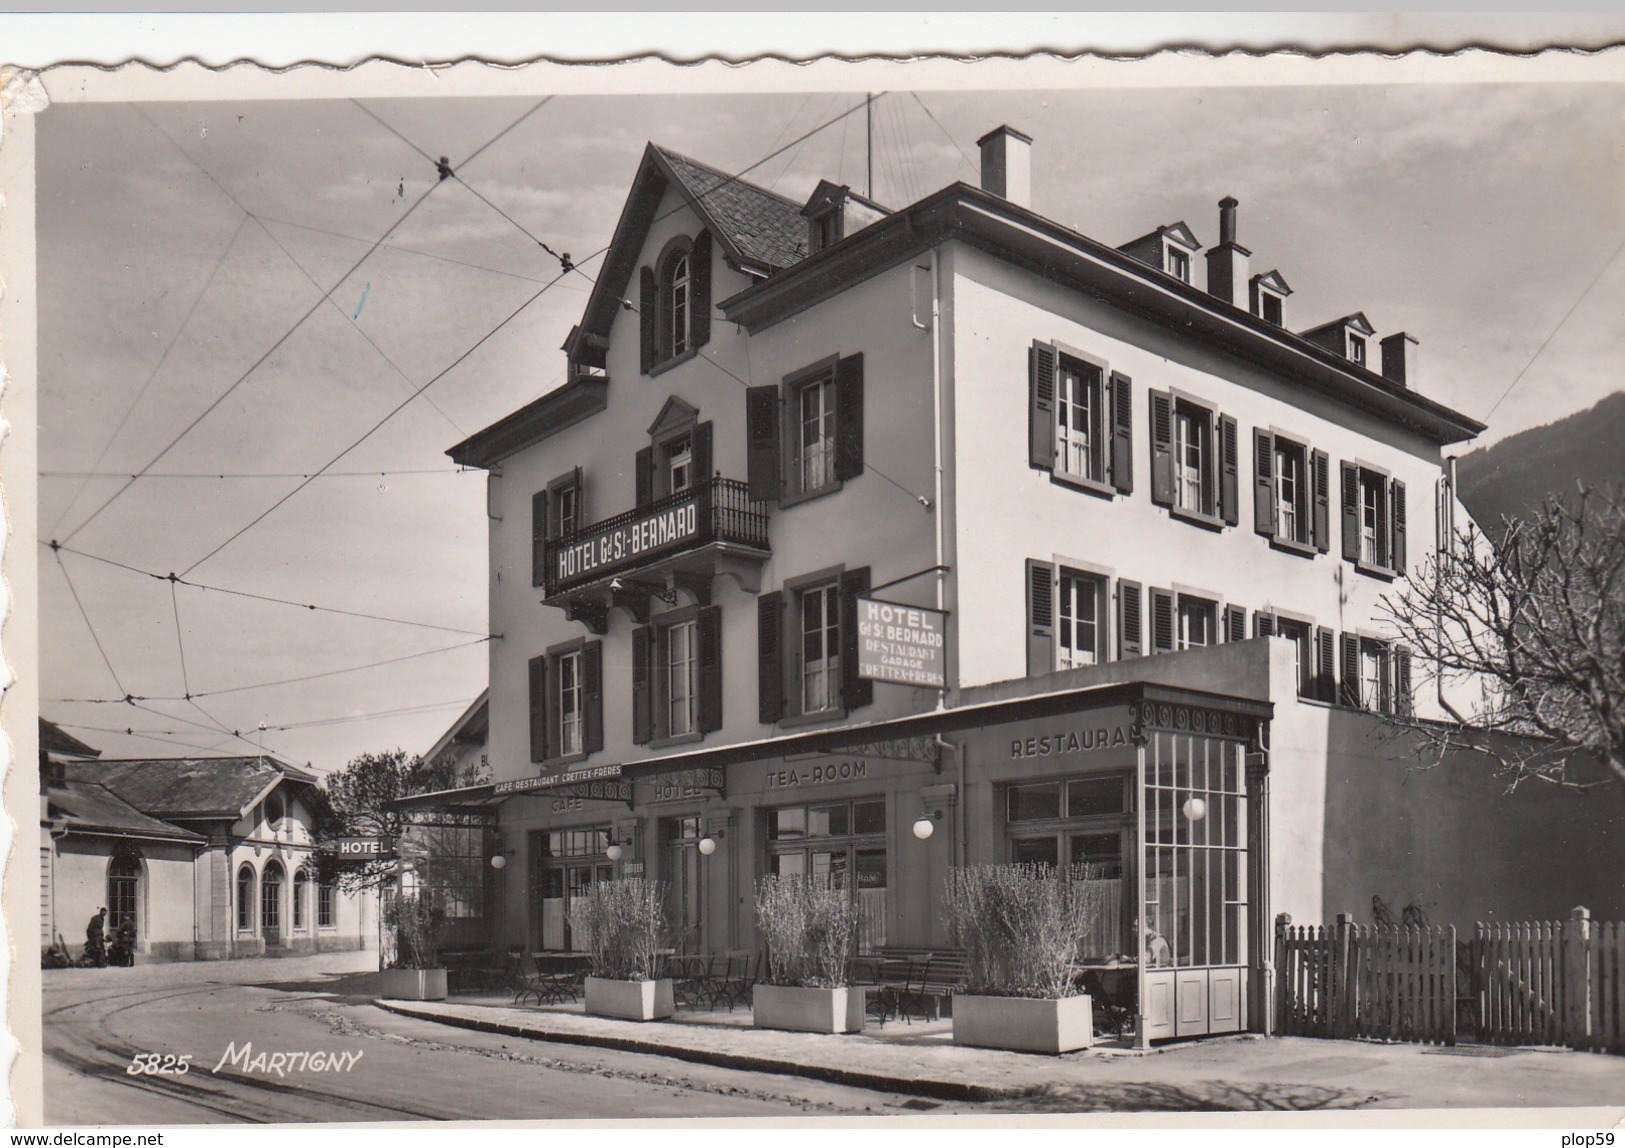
684 895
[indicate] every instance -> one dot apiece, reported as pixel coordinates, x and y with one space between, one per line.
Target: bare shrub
1022 926
622 925
418 925
808 929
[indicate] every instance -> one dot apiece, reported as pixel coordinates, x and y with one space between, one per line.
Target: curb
913 1086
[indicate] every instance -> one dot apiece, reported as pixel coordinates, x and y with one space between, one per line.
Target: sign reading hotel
906 644
360 846
628 543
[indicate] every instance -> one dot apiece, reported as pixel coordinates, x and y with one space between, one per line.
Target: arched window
676 295
274 811
245 899
674 302
271 901
124 889
301 894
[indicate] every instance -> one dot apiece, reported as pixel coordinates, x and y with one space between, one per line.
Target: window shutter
1040 617
1325 667
592 681
770 659
1162 448
1122 462
645 467
1041 405
538 538
849 417
646 319
1229 468
1264 512
699 310
538 709
642 690
708 631
1130 626
855 691
1403 703
1320 476
1351 670
1263 624
762 443
702 453
1162 621
1351 512
1235 623
1397 556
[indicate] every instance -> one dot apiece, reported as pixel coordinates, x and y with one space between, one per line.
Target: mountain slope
1517 473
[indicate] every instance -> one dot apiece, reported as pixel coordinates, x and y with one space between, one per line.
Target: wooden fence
1549 982
1384 982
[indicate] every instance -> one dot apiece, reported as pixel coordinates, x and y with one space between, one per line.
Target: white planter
807 1010
412 984
629 1000
1023 1024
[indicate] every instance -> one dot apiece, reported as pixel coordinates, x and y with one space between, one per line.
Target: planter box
629 1000
1023 1024
412 984
807 1010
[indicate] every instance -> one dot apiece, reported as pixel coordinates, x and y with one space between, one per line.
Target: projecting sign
627 543
906 644
360 847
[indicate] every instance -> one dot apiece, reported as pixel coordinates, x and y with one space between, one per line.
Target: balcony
682 541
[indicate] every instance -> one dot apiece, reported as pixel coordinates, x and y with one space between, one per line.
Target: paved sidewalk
1225 1073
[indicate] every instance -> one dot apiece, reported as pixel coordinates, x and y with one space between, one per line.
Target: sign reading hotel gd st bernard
906 644
627 544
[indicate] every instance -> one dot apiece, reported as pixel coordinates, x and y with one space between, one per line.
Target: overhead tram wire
946 134
94 637
145 735
263 474
180 640
484 338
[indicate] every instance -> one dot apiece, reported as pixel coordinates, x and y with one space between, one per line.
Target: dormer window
1267 297
1269 307
825 230
1357 348
1179 263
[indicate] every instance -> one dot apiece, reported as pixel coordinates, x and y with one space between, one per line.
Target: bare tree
1537 618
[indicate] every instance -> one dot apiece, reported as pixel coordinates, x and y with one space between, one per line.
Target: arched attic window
674 302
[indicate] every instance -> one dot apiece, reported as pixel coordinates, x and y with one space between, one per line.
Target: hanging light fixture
708 845
615 852
1194 809
499 861
925 824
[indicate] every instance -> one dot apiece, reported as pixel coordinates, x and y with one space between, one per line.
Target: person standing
95 946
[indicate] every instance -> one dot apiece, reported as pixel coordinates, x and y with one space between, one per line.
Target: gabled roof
1176 231
52 739
192 787
86 807
1357 320
1274 280
755 225
471 728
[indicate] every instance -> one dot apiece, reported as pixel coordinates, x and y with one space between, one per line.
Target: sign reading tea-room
906 644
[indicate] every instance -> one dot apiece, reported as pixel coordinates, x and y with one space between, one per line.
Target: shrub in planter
1021 927
418 925
622 925
808 929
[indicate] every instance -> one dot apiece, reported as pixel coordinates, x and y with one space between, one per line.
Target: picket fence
1383 982
1551 982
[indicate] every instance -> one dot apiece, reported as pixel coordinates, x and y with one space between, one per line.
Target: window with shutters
1300 634
677 676
1079 620
1194 455
821 427
1192 442
1291 492
1081 419
676 296
1376 675
815 438
1373 520
572 708
674 303
679 458
679 454
1290 496
564 509
679 693
1078 431
566 702
819 662
1195 623
807 648
1069 617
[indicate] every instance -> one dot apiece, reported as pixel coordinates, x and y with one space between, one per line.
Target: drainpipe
1447 505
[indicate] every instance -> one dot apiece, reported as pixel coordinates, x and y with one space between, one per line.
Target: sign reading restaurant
626 543
906 644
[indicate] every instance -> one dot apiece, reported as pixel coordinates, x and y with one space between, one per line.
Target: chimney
1227 262
1007 165
1399 359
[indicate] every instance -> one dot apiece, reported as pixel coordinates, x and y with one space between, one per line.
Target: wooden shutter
1162 621
1122 460
642 686
1263 624
1351 670
646 319
699 308
702 454
1229 468
1041 405
1403 703
1320 477
762 443
1235 623
538 538
1351 512
592 685
1397 522
708 635
1040 617
1325 667
538 709
644 464
1130 625
1264 510
855 691
849 417
770 656
1162 448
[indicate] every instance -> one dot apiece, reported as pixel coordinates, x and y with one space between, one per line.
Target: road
97 1020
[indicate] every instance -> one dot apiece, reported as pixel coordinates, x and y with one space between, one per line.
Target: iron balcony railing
717 510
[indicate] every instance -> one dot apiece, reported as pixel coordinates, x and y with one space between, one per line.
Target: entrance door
685 897
561 885
844 846
271 904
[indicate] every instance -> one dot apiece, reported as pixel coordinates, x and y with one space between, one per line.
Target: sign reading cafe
627 541
906 644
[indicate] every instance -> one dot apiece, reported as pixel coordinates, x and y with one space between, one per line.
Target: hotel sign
905 644
360 846
685 784
627 541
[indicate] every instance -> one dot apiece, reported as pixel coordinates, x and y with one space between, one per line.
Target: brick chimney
1007 165
1399 359
1227 261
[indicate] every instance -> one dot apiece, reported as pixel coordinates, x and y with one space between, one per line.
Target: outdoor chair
694 980
741 977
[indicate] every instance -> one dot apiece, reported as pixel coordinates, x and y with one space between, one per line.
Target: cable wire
946 134
94 637
264 474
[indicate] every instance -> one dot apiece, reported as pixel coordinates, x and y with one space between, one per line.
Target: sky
218 314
